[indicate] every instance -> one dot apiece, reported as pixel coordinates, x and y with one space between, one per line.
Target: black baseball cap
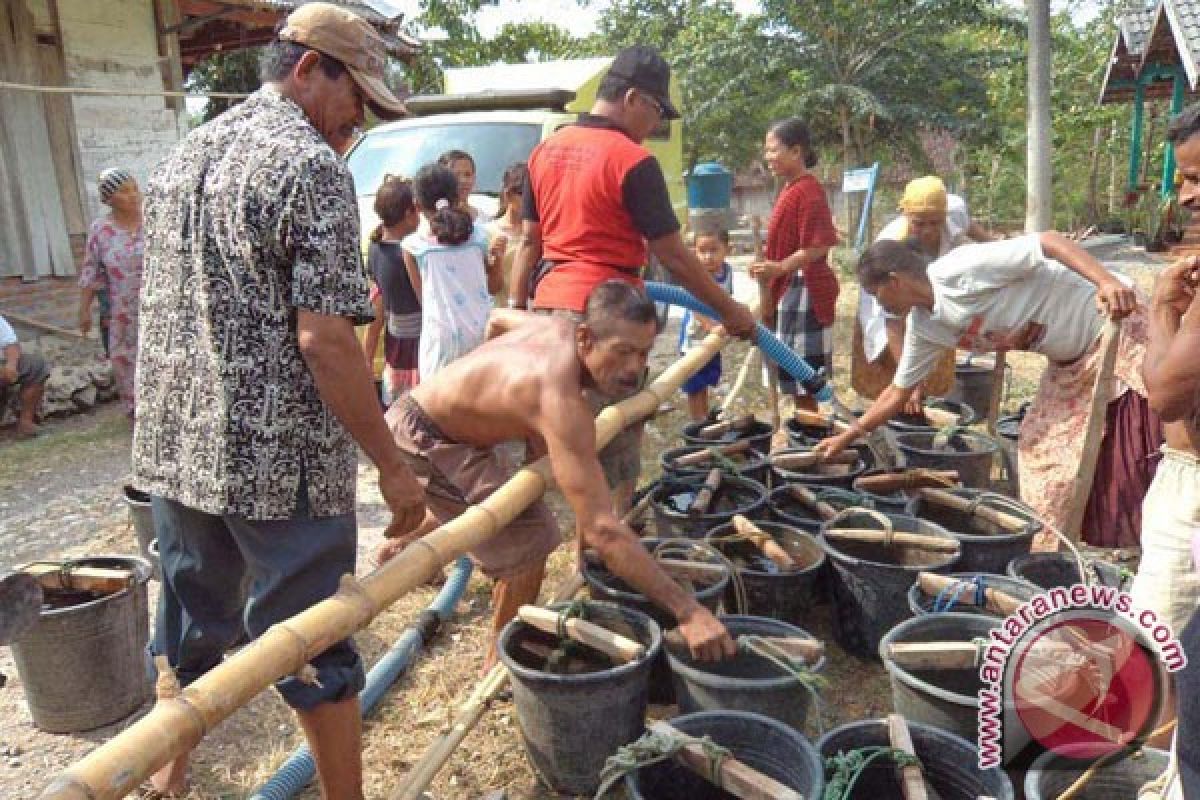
641 67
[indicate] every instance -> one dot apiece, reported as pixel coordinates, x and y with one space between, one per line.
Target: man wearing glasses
596 200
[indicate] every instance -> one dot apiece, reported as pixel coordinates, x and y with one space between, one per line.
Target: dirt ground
60 496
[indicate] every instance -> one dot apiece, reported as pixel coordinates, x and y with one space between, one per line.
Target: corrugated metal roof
1135 32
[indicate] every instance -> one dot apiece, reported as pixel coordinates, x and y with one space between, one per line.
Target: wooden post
995 600
763 541
704 497
706 455
912 782
115 768
733 776
1094 433
993 410
806 497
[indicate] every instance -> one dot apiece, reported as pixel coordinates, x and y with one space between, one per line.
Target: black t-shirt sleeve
529 211
645 194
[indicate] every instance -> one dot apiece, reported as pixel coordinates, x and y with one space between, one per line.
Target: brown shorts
621 458
456 476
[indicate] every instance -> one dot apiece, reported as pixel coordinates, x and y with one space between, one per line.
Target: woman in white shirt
939 222
1045 294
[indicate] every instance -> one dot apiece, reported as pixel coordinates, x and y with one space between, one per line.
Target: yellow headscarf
923 195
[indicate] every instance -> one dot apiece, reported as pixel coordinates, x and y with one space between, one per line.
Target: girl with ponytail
397 310
451 271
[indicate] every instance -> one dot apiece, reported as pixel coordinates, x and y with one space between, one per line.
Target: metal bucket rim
620 670
143 570
968 701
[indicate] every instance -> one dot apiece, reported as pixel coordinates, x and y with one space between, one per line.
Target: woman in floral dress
113 263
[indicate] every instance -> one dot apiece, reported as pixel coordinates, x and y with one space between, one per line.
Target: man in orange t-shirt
596 200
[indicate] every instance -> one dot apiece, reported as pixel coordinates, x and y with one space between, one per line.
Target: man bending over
527 384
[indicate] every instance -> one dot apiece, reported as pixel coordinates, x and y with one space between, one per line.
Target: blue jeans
225 574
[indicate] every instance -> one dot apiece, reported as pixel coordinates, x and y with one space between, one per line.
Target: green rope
723 462
808 680
848 768
560 657
656 746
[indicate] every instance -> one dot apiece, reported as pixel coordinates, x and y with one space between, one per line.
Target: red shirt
598 196
801 219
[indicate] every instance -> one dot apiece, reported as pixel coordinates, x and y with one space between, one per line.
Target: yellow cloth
924 195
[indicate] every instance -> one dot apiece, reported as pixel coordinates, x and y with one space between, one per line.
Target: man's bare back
503 390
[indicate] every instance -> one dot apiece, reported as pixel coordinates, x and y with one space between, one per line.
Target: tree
235 72
1039 198
865 71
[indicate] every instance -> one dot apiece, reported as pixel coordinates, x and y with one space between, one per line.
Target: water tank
709 185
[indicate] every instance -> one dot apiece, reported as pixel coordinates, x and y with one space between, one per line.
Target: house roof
1163 33
209 26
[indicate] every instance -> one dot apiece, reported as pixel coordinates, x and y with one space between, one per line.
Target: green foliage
235 72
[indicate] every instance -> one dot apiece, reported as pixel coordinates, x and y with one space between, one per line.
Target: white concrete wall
113 44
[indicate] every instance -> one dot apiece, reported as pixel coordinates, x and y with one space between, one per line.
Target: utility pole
1039 200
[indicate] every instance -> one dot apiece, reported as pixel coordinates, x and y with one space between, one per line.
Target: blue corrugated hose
813 382
299 769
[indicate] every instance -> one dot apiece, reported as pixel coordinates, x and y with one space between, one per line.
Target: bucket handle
886 523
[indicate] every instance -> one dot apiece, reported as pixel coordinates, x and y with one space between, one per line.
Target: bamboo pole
175 726
912 781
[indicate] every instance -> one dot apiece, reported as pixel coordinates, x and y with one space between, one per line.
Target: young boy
712 247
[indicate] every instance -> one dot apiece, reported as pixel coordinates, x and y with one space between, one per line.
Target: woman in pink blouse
113 264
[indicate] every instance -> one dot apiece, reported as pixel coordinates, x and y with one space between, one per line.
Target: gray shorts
31 370
621 458
207 562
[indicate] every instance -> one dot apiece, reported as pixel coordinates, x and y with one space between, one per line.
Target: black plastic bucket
1051 570
900 502
571 724
944 698
918 423
986 547
603 585
787 509
870 582
82 665
920 603
1051 774
949 763
752 465
759 434
971 454
770 592
746 682
759 742
973 385
840 475
670 501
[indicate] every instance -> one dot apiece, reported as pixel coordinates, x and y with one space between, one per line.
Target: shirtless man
1167 581
527 384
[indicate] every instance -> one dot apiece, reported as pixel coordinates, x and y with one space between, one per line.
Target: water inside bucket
727 499
960 681
544 652
58 599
